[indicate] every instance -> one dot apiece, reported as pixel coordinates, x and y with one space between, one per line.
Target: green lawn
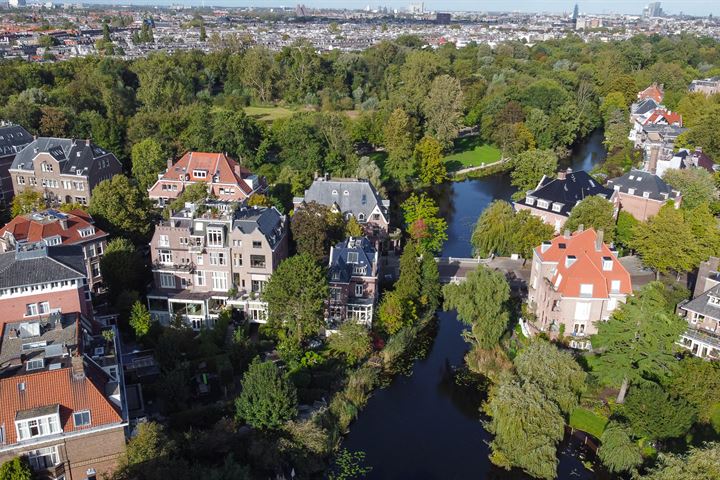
587 421
268 114
470 152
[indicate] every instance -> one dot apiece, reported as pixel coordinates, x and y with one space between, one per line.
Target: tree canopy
593 212
424 223
268 399
502 231
528 169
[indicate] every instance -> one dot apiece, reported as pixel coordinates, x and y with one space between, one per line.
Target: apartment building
65 170
575 282
352 197
353 276
706 86
225 178
554 198
643 194
57 228
211 256
37 280
702 313
60 408
13 138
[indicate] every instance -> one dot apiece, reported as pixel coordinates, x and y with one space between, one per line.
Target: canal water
422 426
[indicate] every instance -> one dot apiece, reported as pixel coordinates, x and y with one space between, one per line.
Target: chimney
698 149
169 163
599 240
581 228
77 366
567 233
652 161
561 175
545 246
237 170
87 142
327 176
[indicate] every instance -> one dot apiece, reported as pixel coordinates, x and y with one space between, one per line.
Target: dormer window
200 173
543 203
646 194
586 289
215 237
616 188
30 425
556 207
34 364
361 217
87 232
46 167
352 257
359 270
529 200
631 191
607 264
713 300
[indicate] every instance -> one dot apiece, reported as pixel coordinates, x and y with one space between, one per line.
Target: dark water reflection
423 426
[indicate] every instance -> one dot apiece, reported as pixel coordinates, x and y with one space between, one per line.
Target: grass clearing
268 114
471 152
588 421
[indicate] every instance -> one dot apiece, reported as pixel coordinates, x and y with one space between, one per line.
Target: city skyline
633 7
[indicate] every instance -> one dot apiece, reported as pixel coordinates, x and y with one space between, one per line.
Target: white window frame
82 415
167 280
359 289
45 425
34 364
34 457
586 289
200 278
219 281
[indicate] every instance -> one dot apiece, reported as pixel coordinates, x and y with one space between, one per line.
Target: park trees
529 167
638 340
700 463
593 212
121 208
399 140
148 159
315 227
268 399
296 295
428 154
259 71
424 223
443 109
481 302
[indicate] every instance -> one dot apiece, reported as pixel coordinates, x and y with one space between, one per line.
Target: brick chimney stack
599 240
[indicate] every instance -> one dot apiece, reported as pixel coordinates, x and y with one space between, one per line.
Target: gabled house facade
353 275
352 198
643 194
57 228
37 280
64 170
212 256
702 313
575 282
13 138
225 178
62 400
554 198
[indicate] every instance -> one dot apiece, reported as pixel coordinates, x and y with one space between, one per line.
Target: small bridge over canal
455 270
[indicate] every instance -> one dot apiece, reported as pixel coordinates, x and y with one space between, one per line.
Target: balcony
704 337
175 267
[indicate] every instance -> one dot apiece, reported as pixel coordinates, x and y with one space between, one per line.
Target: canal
422 426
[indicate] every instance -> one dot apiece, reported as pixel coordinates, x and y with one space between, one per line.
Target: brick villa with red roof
653 91
227 180
575 281
58 228
60 409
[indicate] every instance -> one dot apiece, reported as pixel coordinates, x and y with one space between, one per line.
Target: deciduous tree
268 399
656 415
27 201
593 212
315 228
148 159
140 319
121 208
16 469
443 109
352 341
698 464
399 143
424 223
529 167
428 154
296 295
696 185
696 380
120 266
618 452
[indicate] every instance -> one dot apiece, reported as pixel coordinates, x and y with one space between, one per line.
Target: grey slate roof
568 191
644 106
73 155
701 305
12 139
267 220
340 269
349 195
642 182
32 264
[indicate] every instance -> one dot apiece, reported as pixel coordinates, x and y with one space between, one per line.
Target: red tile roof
229 171
653 91
38 226
587 267
57 387
671 118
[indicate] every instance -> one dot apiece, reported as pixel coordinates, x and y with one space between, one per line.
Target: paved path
479 167
453 270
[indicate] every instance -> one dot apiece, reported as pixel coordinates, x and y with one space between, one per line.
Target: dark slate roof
642 182
669 131
36 263
644 106
701 305
12 139
568 191
267 220
348 195
73 155
340 268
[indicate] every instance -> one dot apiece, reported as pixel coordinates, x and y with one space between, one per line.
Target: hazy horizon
690 7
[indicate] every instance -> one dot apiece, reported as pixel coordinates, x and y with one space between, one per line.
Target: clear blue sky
692 7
